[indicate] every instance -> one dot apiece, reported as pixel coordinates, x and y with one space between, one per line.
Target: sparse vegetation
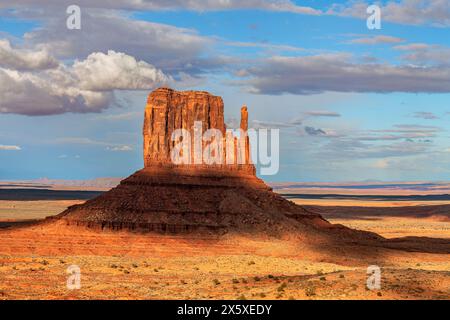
310 291
282 287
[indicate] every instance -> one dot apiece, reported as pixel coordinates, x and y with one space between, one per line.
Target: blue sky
373 104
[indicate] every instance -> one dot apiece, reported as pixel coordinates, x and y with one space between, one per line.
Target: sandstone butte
193 198
207 200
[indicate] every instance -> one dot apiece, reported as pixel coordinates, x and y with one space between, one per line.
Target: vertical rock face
244 118
168 110
168 198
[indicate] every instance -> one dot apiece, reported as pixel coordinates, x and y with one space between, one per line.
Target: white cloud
120 148
320 73
86 86
425 54
116 71
22 59
170 48
10 148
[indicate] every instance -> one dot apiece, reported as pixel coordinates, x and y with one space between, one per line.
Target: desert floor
34 262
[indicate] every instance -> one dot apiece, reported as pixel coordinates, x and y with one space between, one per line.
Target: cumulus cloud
116 71
320 73
170 48
22 59
10 148
82 87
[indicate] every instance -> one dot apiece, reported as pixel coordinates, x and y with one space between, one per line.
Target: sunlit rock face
191 198
168 110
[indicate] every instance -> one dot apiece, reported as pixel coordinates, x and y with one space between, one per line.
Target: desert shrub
257 278
341 276
251 263
134 265
241 297
235 280
310 291
282 287
216 282
323 279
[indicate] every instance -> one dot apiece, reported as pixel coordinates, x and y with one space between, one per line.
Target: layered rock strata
168 198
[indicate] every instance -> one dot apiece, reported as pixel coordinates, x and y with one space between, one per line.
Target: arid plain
124 265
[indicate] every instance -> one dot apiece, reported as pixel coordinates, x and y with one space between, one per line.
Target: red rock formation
164 197
168 110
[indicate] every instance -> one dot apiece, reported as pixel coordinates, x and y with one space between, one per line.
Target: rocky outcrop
196 197
168 110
